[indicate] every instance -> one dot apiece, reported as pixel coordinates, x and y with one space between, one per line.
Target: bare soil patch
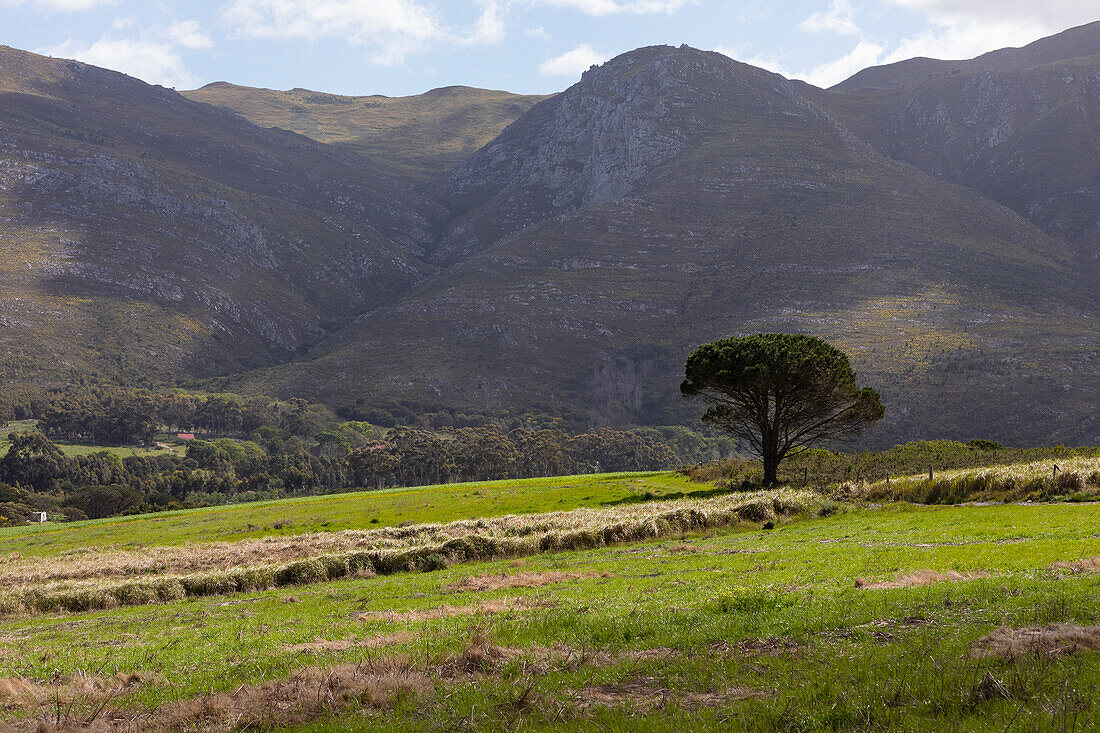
1047 641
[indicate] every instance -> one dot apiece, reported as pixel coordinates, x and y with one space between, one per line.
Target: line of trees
36 475
408 456
108 415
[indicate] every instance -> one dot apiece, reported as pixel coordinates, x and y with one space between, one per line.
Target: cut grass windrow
425 547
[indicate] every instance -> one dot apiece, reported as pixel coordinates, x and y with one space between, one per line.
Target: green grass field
870 618
356 510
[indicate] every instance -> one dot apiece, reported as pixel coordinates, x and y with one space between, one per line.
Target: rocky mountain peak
606 137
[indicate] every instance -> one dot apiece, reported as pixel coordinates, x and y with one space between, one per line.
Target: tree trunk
771 468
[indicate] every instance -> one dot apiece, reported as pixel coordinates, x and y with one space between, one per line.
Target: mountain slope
707 198
416 139
1020 125
148 235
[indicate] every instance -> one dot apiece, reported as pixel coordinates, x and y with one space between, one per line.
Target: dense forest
250 448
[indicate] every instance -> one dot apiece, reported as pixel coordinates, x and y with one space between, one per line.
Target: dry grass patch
646 693
309 695
479 583
484 608
17 693
1087 565
340 645
1047 641
919 578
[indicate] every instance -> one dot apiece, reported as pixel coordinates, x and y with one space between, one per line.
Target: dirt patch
682 548
919 578
478 583
500 605
1087 565
645 693
1047 641
340 645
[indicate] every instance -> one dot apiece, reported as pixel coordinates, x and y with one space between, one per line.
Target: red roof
185 436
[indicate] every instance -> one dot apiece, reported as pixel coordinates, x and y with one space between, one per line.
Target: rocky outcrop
604 138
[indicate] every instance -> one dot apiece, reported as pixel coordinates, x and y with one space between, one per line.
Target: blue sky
398 47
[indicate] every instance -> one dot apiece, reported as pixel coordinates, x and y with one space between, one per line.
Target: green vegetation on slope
415 139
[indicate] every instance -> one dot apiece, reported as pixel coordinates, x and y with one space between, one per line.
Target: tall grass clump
1076 479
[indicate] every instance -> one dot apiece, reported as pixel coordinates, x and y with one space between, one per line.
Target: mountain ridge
1081 41
591 311
414 139
566 266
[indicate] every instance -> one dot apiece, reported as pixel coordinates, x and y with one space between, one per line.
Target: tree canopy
779 393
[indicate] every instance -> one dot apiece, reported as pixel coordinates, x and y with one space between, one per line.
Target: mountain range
479 252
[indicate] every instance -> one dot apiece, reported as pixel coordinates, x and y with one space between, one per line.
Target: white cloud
64 5
612 7
866 53
770 63
963 41
153 61
963 29
1052 15
189 34
539 32
392 28
838 19
734 52
832 72
489 28
573 63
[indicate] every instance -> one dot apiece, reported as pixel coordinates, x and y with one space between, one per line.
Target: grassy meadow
346 511
598 609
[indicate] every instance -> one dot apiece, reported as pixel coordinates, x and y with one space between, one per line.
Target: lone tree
779 393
